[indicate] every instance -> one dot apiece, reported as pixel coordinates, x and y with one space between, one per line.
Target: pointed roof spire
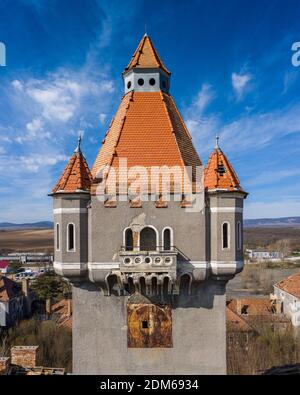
77 176
78 149
146 56
217 142
218 173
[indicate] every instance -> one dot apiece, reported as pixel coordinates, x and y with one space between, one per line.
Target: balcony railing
160 249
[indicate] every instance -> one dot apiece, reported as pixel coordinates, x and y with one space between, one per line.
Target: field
264 237
33 240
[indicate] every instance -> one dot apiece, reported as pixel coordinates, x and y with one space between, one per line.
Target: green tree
50 286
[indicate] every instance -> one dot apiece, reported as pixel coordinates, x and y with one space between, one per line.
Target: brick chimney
24 356
4 365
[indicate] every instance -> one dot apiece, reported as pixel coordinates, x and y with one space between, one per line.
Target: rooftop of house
251 306
3 264
291 285
8 289
62 311
236 323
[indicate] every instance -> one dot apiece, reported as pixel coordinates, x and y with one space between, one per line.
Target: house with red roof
3 267
287 291
15 301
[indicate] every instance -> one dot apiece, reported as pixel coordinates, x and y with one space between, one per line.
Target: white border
226 209
69 210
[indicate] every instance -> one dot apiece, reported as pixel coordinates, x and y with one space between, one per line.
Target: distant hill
248 223
273 222
33 225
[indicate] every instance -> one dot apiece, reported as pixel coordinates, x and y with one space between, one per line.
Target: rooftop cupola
146 72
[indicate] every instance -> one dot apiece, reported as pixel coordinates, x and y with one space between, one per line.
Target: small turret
225 213
71 196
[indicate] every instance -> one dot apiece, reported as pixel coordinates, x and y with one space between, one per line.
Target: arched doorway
148 239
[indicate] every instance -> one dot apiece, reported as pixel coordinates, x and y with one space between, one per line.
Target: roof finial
145 35
217 142
78 143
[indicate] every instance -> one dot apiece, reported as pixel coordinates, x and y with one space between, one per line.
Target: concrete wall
61 205
106 226
290 305
3 312
100 335
223 208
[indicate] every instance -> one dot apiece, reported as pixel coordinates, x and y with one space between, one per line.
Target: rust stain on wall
149 325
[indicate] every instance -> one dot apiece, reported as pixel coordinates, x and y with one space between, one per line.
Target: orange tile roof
145 139
8 289
76 176
252 306
219 174
60 310
291 285
146 56
237 323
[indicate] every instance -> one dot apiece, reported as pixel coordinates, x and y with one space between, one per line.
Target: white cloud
256 131
103 118
17 85
203 98
239 83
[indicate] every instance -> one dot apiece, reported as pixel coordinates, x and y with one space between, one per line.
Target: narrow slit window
128 240
71 237
57 237
167 239
225 230
239 235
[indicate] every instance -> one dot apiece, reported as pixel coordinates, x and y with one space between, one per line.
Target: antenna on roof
217 142
78 143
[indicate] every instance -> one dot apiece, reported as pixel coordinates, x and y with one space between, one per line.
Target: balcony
156 261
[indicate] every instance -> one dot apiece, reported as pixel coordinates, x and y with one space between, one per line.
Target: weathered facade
148 269
15 301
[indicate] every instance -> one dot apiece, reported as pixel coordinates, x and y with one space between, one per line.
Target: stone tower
149 266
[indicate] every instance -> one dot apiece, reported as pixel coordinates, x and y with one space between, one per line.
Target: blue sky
231 74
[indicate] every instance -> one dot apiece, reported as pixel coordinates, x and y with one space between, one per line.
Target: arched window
71 237
57 237
225 235
128 240
148 240
239 235
167 239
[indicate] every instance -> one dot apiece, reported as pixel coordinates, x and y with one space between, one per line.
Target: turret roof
146 56
76 177
219 174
